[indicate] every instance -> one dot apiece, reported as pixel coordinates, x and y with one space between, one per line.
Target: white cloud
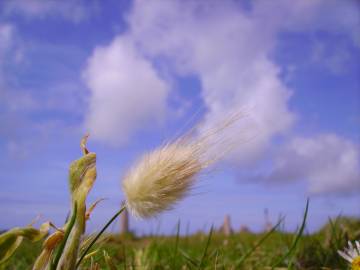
6 43
20 131
126 92
228 48
6 36
9 51
7 32
332 16
10 102
219 43
329 164
76 10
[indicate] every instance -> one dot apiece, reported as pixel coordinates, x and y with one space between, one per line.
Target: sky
138 74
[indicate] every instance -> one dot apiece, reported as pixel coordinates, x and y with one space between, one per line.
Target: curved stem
99 234
66 236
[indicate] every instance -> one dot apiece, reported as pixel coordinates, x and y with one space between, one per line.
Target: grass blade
99 234
296 240
262 240
194 262
176 244
206 247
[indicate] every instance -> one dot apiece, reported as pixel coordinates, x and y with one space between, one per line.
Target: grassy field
242 250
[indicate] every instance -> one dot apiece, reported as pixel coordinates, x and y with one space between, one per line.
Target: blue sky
137 74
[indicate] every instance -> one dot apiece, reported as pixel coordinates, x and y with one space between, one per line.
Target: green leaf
206 248
110 264
259 243
11 240
98 235
296 240
8 244
66 236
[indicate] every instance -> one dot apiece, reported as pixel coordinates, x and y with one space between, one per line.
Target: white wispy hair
164 176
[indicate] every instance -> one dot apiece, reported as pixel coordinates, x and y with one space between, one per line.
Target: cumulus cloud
226 46
327 162
76 11
126 92
219 43
214 42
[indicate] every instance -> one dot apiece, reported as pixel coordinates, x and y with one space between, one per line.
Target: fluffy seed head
163 177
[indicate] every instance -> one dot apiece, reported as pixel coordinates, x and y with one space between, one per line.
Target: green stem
99 234
66 236
296 240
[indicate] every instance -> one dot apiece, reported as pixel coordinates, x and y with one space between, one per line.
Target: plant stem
66 236
99 234
296 240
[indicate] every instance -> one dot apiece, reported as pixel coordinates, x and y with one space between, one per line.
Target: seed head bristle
164 176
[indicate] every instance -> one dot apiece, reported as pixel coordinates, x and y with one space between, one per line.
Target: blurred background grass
215 251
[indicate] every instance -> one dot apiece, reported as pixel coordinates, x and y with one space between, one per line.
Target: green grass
217 251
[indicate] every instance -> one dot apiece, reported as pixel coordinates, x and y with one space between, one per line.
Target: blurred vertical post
226 227
268 225
124 222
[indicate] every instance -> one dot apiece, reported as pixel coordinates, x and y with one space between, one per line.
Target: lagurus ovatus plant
154 184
